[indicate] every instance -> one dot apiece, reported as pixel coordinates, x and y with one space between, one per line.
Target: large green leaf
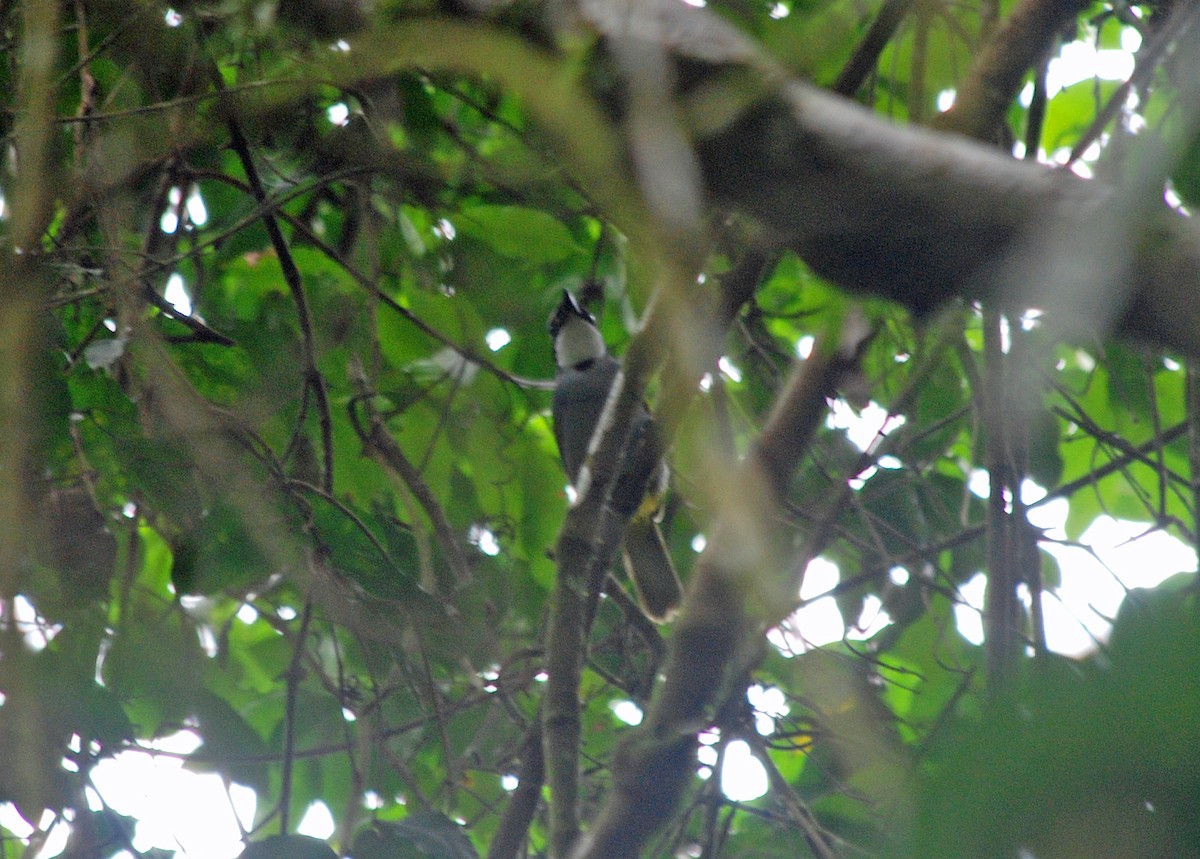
528 235
424 835
1072 110
288 847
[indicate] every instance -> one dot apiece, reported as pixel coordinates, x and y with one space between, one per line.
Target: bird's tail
650 568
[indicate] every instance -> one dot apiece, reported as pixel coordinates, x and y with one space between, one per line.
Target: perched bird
586 372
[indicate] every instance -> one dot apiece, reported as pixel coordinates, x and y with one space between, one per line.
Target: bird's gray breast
579 398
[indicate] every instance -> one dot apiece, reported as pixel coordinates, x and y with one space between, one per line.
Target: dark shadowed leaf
288 847
424 835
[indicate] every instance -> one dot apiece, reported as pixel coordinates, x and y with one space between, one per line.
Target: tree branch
921 218
867 54
513 827
313 379
730 587
576 556
985 95
379 442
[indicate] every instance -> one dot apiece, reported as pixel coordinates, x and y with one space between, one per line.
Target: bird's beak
567 308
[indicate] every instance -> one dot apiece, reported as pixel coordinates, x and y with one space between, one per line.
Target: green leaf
1045 461
1051 571
288 847
1129 380
223 552
405 343
543 490
375 551
251 284
1185 178
529 235
227 737
424 835
155 659
1072 111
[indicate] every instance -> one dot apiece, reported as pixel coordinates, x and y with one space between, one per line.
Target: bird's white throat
578 341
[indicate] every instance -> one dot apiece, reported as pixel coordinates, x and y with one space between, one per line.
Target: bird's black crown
567 308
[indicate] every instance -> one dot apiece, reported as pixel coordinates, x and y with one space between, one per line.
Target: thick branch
921 218
910 214
29 758
998 73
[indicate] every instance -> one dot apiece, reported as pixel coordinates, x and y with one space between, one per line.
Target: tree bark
922 217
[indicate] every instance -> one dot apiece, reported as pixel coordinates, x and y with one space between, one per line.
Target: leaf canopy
315 517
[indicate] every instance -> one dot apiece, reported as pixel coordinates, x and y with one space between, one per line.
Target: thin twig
383 447
801 816
313 377
289 720
1000 600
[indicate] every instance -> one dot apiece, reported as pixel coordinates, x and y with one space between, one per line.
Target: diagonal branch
922 218
380 444
989 89
575 556
866 55
313 379
513 828
730 588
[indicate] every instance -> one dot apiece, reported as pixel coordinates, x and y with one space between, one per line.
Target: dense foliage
277 466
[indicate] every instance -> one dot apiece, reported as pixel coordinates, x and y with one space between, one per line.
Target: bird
584 379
